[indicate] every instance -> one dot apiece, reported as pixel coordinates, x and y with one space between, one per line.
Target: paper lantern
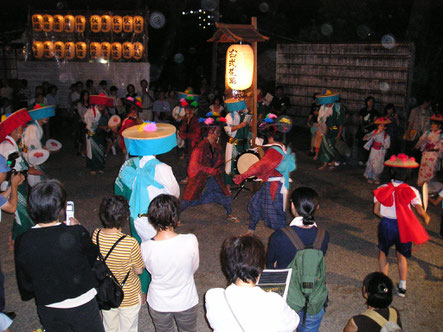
69 50
138 24
80 23
138 50
80 50
127 50
48 49
105 50
116 51
117 24
106 23
37 22
127 23
37 49
94 50
59 23
59 50
239 66
69 23
96 23
48 21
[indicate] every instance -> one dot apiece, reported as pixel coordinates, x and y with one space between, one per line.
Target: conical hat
150 139
327 97
13 121
401 161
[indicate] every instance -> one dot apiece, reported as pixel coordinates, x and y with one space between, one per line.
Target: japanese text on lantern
231 67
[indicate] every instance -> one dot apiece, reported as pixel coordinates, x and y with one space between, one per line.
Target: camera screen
69 208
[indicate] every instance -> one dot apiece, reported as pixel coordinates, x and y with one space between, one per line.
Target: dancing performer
430 143
331 116
96 125
134 107
268 203
205 171
237 128
34 138
143 177
399 225
11 131
378 142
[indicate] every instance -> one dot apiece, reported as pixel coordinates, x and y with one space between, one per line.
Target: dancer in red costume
399 225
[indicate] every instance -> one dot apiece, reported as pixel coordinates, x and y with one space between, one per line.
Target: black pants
85 318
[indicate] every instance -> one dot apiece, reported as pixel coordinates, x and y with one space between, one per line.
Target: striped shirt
125 256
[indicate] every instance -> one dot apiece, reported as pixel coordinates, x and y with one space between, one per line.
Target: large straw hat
437 117
383 120
13 121
41 112
327 97
150 138
402 161
101 99
234 105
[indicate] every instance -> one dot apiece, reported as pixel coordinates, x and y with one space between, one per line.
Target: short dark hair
129 85
89 82
46 201
242 258
368 99
163 211
113 88
389 107
114 211
437 123
399 173
305 202
271 131
143 80
379 287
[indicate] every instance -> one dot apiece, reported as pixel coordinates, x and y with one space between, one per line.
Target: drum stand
240 188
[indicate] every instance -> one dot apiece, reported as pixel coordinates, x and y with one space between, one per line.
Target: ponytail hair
305 202
379 289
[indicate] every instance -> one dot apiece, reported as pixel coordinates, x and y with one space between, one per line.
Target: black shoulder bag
110 291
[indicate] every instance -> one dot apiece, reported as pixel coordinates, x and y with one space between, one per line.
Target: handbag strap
103 259
232 311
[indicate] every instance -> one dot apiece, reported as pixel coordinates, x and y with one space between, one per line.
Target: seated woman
377 290
125 263
172 260
53 264
242 306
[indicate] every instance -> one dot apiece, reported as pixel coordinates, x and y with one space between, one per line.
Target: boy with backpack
301 246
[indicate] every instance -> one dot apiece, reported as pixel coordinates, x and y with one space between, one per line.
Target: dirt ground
345 210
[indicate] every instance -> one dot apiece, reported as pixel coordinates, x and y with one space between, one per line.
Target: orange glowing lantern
80 50
58 24
138 50
59 50
37 22
48 49
37 49
48 21
127 23
127 50
96 23
116 51
239 66
69 23
106 50
138 24
69 50
106 23
80 23
117 24
94 50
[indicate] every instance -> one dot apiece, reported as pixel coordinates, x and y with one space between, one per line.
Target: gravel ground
345 210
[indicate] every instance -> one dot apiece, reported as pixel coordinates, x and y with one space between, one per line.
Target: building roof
234 33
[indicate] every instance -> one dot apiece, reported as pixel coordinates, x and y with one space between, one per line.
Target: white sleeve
165 176
196 254
30 139
417 199
286 319
230 122
89 118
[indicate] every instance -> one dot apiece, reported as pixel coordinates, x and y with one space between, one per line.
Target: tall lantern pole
254 87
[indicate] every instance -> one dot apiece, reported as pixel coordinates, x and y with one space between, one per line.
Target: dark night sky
289 21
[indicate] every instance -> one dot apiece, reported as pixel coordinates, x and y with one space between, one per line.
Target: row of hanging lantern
97 23
71 50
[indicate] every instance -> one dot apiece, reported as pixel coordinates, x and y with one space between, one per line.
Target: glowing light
239 66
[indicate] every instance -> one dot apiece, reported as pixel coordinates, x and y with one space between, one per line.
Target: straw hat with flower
401 161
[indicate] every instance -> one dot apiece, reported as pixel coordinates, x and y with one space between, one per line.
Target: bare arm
422 213
377 209
350 327
436 201
138 270
239 126
11 205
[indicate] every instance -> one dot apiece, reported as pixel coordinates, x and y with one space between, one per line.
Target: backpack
386 325
110 291
307 288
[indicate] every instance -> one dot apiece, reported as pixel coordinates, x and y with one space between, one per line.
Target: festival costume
177 114
333 118
8 146
142 178
378 143
430 143
190 133
205 172
268 203
238 141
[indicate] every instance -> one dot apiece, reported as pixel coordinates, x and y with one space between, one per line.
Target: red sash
409 227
